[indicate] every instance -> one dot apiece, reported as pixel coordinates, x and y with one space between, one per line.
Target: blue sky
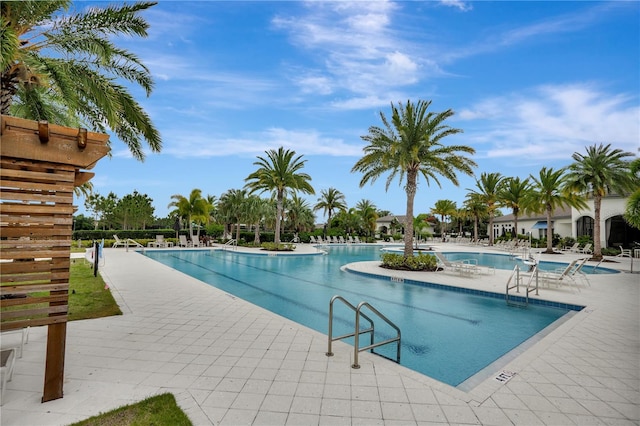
530 82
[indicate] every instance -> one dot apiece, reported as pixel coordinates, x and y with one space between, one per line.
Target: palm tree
253 212
279 173
299 214
329 201
231 208
478 209
598 173
514 193
487 190
444 208
66 69
411 145
192 209
547 194
368 214
632 212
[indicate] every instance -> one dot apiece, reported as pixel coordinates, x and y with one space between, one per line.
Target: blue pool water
447 335
505 261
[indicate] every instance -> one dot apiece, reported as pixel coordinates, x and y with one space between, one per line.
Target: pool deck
229 362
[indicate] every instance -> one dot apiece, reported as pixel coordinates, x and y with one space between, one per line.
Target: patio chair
341 239
160 242
463 267
624 252
182 241
125 243
586 249
559 276
195 241
7 361
573 249
577 271
356 240
15 339
312 239
350 239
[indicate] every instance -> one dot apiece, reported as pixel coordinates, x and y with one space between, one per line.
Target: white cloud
359 47
462 5
552 122
188 144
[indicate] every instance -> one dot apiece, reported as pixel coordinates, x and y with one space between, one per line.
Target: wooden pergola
40 164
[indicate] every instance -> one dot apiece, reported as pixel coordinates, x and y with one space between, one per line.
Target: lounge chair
356 240
577 271
350 239
335 240
586 249
125 243
7 361
463 267
182 241
160 242
195 241
15 339
559 276
312 239
341 239
573 249
624 252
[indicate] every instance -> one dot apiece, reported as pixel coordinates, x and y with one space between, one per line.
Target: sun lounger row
334 240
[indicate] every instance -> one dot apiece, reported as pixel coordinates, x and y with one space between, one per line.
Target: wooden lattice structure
40 164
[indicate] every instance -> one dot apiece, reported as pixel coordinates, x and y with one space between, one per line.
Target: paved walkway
229 362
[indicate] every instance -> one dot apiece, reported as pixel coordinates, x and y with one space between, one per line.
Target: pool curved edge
372 269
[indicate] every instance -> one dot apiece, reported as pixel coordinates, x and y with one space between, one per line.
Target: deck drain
504 376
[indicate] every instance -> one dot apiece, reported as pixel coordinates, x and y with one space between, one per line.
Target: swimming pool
447 335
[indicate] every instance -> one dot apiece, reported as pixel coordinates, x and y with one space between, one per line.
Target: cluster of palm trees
66 68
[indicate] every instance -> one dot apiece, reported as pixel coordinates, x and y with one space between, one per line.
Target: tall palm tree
231 207
487 188
330 200
299 215
547 194
411 145
514 193
368 214
253 212
599 172
632 211
191 209
444 208
279 173
66 69
478 209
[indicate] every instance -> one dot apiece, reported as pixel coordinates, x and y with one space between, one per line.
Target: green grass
158 411
88 297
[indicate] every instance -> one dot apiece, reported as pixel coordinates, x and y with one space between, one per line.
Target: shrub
419 262
278 247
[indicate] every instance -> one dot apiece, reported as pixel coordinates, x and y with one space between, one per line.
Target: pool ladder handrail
357 332
529 288
232 242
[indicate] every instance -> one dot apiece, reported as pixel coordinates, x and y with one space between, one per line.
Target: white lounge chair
350 239
341 239
463 267
624 252
125 243
195 241
559 276
356 240
586 249
182 241
312 239
577 271
7 361
573 249
15 339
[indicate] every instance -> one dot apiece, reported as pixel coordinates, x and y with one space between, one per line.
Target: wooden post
39 167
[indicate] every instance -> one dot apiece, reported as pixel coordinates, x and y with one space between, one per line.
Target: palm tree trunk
475 228
549 232
597 245
276 237
490 229
256 234
408 231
